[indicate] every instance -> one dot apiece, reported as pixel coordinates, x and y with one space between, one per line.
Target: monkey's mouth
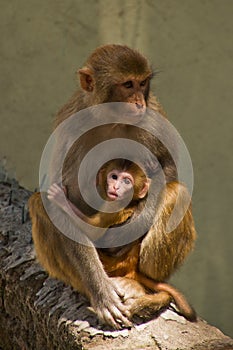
112 195
133 114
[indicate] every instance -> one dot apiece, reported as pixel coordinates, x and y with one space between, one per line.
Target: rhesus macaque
113 73
117 180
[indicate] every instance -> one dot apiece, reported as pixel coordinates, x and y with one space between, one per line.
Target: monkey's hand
57 195
109 307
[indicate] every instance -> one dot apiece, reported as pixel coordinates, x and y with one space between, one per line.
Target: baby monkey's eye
127 181
114 176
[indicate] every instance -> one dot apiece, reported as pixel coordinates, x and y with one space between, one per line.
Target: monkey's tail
179 299
184 308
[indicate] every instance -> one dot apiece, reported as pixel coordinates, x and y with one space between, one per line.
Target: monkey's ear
143 192
86 79
100 178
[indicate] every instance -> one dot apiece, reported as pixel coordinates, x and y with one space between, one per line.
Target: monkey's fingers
107 318
50 195
118 313
113 317
55 193
119 310
119 291
52 190
110 308
55 188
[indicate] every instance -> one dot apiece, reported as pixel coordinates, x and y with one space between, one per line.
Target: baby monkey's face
120 184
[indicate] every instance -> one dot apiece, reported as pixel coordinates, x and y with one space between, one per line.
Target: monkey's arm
103 219
162 252
75 262
57 195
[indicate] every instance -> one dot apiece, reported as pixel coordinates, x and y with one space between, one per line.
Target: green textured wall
190 42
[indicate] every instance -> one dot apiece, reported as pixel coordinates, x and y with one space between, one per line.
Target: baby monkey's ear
145 188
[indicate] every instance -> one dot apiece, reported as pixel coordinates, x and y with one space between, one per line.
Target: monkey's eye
128 84
114 176
143 83
127 181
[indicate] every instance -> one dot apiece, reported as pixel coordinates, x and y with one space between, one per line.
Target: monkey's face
133 91
120 185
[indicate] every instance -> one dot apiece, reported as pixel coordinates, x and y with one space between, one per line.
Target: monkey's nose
139 105
116 186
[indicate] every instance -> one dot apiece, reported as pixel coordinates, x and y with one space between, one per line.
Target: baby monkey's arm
58 195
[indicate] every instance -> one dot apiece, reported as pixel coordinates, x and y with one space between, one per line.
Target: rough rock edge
38 312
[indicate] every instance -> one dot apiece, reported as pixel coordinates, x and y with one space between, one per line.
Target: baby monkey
118 180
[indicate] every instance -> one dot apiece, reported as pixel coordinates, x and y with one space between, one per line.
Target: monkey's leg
162 300
139 302
50 245
162 252
76 264
149 304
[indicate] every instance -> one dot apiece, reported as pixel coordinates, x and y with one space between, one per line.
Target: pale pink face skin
119 184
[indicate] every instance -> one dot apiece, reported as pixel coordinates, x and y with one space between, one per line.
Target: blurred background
189 42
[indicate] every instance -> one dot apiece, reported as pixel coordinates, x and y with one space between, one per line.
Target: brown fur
155 256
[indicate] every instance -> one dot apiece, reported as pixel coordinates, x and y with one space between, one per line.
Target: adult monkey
113 73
